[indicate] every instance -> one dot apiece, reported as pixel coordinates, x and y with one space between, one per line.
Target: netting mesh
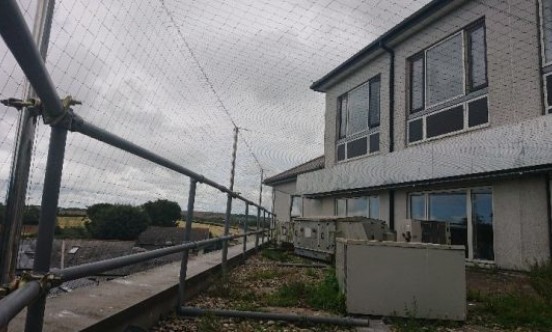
175 77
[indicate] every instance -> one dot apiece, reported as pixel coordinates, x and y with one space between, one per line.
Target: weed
323 295
264 275
540 277
311 272
276 255
209 323
288 295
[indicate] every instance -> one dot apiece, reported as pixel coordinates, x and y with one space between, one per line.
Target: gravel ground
251 287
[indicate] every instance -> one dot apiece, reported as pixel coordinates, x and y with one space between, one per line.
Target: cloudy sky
175 76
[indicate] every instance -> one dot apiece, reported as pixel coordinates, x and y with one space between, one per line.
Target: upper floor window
546 28
445 81
367 206
358 120
296 209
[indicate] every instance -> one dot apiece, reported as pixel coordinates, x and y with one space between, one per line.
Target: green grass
322 295
277 255
264 275
209 323
517 309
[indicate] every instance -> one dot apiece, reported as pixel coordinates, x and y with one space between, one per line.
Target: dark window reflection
482 219
451 207
417 207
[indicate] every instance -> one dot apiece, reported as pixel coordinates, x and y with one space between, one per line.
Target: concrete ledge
137 300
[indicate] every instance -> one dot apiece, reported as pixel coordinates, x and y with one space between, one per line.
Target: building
445 117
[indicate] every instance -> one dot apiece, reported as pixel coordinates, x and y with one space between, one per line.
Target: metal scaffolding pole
10 231
245 230
47 224
229 202
343 321
187 233
259 209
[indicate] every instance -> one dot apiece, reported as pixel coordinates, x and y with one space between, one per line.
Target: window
444 81
359 120
367 206
296 206
341 207
546 35
445 71
546 23
477 57
452 207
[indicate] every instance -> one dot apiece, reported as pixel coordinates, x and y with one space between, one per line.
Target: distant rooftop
291 174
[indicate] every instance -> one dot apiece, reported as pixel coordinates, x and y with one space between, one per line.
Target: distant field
67 222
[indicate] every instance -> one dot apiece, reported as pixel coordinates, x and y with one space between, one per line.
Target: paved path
88 305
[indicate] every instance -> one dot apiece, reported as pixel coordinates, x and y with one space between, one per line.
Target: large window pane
374 209
357 148
482 219
451 207
374 116
547 29
342 116
445 122
477 61
296 206
445 70
341 207
478 112
358 109
417 207
417 83
415 130
357 207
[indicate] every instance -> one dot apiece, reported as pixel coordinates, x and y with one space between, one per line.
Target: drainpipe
391 125
549 210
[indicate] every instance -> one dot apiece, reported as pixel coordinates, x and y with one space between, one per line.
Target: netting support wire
47 222
10 232
187 233
229 202
246 220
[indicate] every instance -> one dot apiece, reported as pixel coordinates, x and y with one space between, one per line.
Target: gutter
501 174
391 125
430 8
548 179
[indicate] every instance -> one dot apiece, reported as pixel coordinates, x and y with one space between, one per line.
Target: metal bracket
47 281
37 107
19 104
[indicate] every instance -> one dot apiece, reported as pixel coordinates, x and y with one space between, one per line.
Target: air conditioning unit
410 231
424 231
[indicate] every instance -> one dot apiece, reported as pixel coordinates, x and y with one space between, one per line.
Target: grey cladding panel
493 149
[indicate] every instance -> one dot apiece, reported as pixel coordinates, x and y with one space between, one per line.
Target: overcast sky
173 76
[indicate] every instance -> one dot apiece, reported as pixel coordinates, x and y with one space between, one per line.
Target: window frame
469 75
411 60
368 205
365 133
469 222
463 53
546 64
470 93
292 198
545 61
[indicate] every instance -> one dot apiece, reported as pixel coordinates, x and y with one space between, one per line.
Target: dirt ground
251 287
